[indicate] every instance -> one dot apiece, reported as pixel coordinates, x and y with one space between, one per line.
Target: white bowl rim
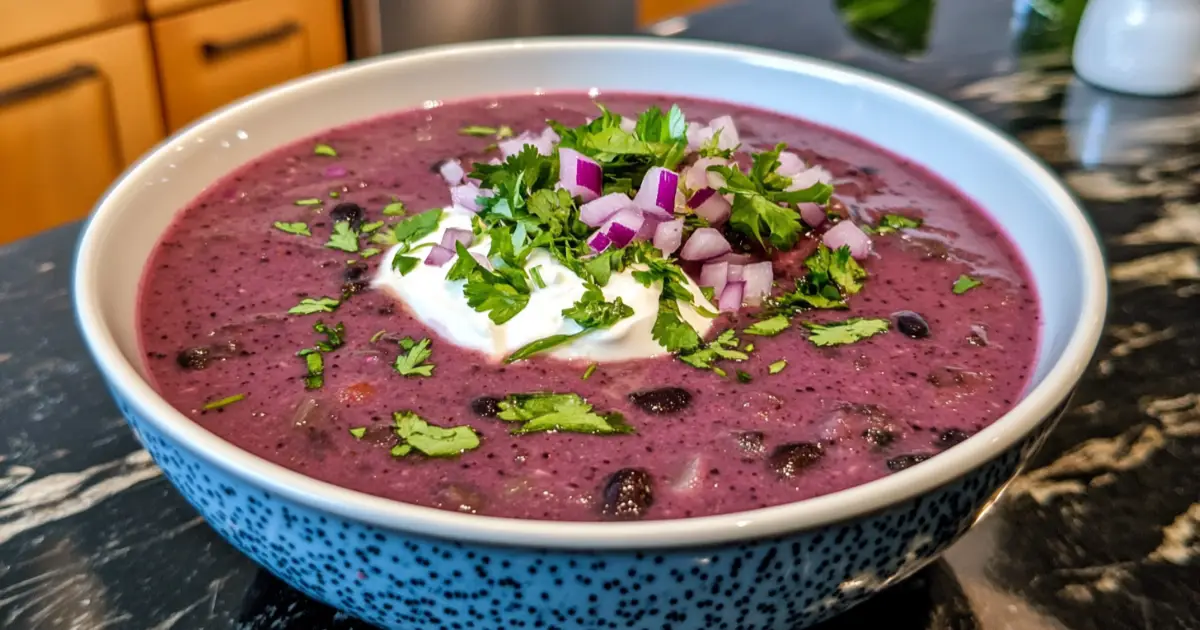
809 514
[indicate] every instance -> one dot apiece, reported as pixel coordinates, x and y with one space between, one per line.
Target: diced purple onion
657 193
809 178
623 226
464 195
579 175
452 171
543 142
511 146
812 214
482 260
438 256
734 259
697 135
597 211
459 235
710 206
628 125
735 273
715 275
758 278
549 139
790 164
599 241
698 175
668 236
649 227
336 171
848 234
731 297
729 134
704 244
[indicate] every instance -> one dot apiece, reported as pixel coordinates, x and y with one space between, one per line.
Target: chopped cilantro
324 149
334 337
769 327
846 271
749 348
298 228
344 237
480 131
831 277
895 222
501 293
394 209
377 336
369 252
311 201
224 402
777 366
671 332
314 362
712 147
358 432
536 273
406 343
404 264
367 228
308 306
744 377
849 331
333 194
965 283
416 434
757 195
591 369
723 347
412 363
417 227
591 312
559 412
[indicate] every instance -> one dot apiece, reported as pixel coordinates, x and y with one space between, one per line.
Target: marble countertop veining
1102 532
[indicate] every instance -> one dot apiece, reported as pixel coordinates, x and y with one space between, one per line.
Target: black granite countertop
1102 532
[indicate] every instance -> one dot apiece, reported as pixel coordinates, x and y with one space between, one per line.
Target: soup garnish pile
537 307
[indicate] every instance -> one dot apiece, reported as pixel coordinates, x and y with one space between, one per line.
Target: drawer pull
48 84
216 50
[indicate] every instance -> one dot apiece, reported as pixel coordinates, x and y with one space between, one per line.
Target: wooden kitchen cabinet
27 22
72 116
213 55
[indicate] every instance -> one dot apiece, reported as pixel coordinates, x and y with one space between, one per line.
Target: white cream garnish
439 304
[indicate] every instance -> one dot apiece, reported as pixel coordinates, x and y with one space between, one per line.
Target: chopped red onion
438 256
715 275
452 171
623 226
846 233
657 193
628 125
596 212
599 241
460 235
758 278
544 143
649 227
548 140
710 206
697 135
464 196
668 236
731 297
813 214
579 175
735 272
790 164
809 178
336 171
734 259
729 138
698 175
705 243
482 260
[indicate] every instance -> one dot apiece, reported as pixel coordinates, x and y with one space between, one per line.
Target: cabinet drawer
214 55
161 8
25 22
72 116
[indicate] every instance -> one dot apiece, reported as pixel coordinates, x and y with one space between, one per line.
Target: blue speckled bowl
402 566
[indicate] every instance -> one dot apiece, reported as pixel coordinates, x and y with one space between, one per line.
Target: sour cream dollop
439 304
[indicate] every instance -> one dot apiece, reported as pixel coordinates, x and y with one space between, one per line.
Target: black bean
355 273
348 212
878 437
752 442
896 464
194 358
950 437
662 400
738 240
911 324
788 460
486 406
627 494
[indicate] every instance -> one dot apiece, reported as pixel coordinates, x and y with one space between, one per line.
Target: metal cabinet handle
215 50
48 84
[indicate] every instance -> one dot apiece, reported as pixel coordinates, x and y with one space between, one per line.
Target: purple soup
896 319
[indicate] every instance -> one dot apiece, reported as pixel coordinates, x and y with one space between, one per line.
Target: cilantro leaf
846 271
344 237
848 331
335 337
671 332
314 363
312 201
478 130
777 366
712 147
369 252
223 402
559 412
769 327
757 197
591 369
831 277
404 264
541 345
308 306
324 149
895 222
965 283
723 347
367 228
501 293
417 226
417 434
298 228
592 311
394 209
358 432
412 363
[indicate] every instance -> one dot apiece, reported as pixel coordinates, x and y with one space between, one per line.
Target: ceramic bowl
403 566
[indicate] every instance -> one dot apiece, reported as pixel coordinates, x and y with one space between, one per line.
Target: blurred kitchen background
87 86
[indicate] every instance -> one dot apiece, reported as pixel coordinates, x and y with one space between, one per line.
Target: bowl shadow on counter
930 600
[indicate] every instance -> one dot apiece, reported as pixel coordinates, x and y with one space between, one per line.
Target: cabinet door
72 116
214 55
26 22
